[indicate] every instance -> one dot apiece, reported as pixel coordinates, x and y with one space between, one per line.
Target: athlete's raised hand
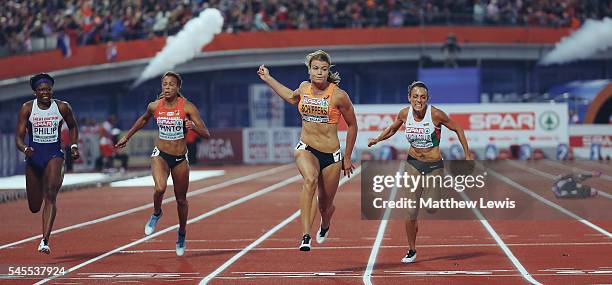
263 72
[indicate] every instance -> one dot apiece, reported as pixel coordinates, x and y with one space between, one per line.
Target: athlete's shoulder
403 113
436 112
153 104
27 104
303 86
340 92
61 104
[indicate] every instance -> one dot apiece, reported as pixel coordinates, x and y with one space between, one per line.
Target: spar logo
549 120
371 122
414 130
495 121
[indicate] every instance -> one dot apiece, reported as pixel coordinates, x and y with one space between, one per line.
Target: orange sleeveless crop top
318 109
171 120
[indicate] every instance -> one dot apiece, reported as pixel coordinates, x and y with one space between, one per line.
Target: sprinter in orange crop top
173 114
317 155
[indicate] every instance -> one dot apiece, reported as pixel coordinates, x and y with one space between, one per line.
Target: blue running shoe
180 244
150 226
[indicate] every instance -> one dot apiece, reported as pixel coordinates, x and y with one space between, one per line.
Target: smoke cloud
594 36
185 45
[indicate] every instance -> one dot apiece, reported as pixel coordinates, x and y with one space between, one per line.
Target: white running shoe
44 247
150 226
305 246
410 256
322 234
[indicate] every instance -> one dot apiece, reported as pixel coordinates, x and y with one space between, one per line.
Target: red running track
232 218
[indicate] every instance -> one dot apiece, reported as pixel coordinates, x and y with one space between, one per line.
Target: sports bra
318 109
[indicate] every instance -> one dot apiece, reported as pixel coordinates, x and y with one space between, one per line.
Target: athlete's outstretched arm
195 122
345 107
392 129
22 120
141 122
440 116
66 111
291 96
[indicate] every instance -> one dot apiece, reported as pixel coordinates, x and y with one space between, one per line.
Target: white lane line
193 220
548 202
367 274
150 205
501 243
147 181
370 247
279 226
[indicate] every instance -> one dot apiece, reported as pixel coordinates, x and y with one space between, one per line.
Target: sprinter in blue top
42 119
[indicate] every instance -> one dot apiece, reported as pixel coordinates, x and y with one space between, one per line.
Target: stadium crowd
83 22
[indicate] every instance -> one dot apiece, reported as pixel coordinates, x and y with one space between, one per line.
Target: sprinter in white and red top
423 124
42 119
174 115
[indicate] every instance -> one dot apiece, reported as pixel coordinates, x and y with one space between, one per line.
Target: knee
160 189
182 202
51 196
310 182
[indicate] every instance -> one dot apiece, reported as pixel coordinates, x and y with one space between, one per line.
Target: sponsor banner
140 147
89 150
12 160
257 145
283 143
591 141
502 125
224 146
265 107
269 145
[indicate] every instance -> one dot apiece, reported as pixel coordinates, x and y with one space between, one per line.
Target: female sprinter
43 118
423 124
173 113
317 154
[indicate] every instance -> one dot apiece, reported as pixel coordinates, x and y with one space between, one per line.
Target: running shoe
410 256
305 246
44 247
150 226
322 233
180 244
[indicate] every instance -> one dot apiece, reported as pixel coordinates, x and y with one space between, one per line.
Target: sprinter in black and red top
173 114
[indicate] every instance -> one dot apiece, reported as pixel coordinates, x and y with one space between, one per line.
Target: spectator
111 51
479 12
450 49
90 22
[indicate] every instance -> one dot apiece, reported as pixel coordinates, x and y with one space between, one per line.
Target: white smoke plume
594 36
183 47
